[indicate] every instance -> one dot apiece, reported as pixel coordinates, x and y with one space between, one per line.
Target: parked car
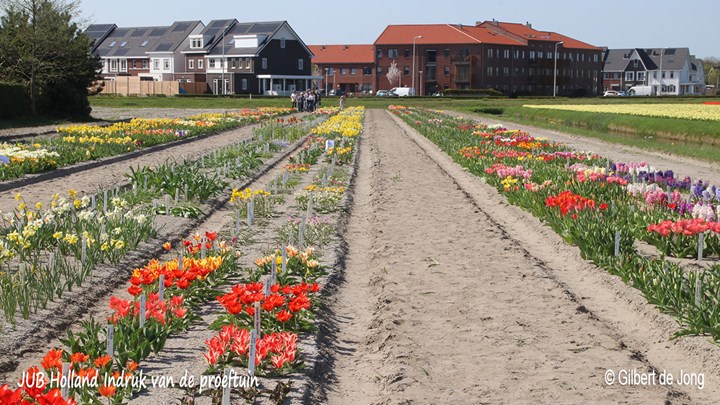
641 91
382 93
611 93
401 91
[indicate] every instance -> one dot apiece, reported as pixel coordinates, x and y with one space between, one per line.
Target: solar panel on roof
181 27
120 32
242 28
138 33
157 32
257 28
670 51
121 52
163 47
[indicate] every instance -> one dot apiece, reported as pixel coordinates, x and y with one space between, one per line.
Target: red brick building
512 58
346 67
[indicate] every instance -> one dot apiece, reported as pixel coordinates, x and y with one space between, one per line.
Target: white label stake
161 287
143 304
698 290
226 387
701 245
617 243
256 318
110 341
251 352
64 385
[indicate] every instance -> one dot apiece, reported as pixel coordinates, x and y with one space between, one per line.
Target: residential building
669 71
250 58
515 59
123 51
165 59
349 68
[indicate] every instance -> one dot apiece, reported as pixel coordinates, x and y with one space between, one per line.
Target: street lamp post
421 82
413 63
555 69
222 62
326 81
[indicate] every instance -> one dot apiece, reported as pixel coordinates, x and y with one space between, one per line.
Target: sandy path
440 304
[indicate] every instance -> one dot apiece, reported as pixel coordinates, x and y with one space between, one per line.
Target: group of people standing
305 101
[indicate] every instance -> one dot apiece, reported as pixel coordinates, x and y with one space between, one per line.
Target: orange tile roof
433 34
343 53
532 34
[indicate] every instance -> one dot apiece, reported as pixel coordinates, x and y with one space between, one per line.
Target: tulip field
697 112
345 255
50 250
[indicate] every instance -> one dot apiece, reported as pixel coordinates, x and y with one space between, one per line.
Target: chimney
347 47
460 26
527 24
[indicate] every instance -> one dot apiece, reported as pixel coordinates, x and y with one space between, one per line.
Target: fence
127 86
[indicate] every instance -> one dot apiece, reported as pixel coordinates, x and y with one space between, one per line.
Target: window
156 64
596 58
196 43
123 43
352 71
506 71
635 63
113 65
446 53
532 55
211 63
247 63
264 63
234 65
629 76
282 43
331 72
301 64
662 74
343 71
166 64
191 64
244 84
489 71
123 65
446 70
145 64
540 54
200 63
506 54
367 71
640 76
406 71
489 53
406 52
378 70
112 44
144 44
392 53
379 53
672 74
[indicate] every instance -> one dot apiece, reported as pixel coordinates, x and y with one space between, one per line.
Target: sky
610 23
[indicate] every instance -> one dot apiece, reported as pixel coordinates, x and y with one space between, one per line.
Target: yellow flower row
697 112
247 194
347 123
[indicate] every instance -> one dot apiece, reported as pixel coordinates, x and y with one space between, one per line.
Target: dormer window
196 42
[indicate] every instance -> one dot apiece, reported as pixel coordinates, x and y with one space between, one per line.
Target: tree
42 48
711 66
393 74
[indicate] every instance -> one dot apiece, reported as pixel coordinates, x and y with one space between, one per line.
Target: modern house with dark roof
669 71
165 60
123 51
249 58
515 59
349 68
